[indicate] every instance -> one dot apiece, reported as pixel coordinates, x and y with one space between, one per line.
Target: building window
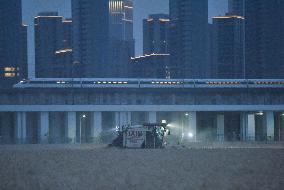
9 75
9 69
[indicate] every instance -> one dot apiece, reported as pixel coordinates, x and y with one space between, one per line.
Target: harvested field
36 167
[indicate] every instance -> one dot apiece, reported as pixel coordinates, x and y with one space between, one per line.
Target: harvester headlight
190 135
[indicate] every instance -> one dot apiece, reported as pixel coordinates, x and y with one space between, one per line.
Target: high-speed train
148 83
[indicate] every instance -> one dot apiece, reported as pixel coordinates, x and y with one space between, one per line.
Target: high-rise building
24 52
121 41
264 38
236 7
151 66
155 61
228 44
13 43
155 34
189 38
212 53
52 40
90 37
121 19
64 56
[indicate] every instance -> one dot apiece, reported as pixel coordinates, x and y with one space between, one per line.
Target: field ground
192 166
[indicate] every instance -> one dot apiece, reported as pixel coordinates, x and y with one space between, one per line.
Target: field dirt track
44 167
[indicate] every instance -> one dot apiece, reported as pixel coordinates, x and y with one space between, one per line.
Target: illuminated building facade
13 44
52 35
151 66
121 41
228 43
189 38
155 34
90 37
121 19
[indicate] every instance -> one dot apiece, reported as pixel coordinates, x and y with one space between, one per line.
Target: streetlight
259 113
81 117
182 126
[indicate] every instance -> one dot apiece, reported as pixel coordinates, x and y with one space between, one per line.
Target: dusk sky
142 9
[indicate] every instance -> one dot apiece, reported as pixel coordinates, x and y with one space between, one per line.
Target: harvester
149 135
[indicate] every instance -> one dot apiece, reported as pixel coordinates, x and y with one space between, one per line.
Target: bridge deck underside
144 97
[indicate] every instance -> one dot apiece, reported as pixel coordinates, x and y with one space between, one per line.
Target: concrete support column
6 127
281 127
152 117
96 126
21 127
220 127
44 127
247 127
128 115
122 118
243 126
268 125
71 127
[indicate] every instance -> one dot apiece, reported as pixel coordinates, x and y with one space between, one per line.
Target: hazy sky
142 9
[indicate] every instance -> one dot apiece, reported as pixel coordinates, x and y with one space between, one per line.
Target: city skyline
142 10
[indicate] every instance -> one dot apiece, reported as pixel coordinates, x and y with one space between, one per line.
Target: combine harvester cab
142 136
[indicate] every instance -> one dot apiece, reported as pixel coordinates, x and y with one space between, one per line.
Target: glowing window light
9 69
9 75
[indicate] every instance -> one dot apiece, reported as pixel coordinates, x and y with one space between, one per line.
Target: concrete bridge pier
6 127
247 126
21 127
268 126
279 126
70 127
220 127
152 117
43 127
122 118
96 127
